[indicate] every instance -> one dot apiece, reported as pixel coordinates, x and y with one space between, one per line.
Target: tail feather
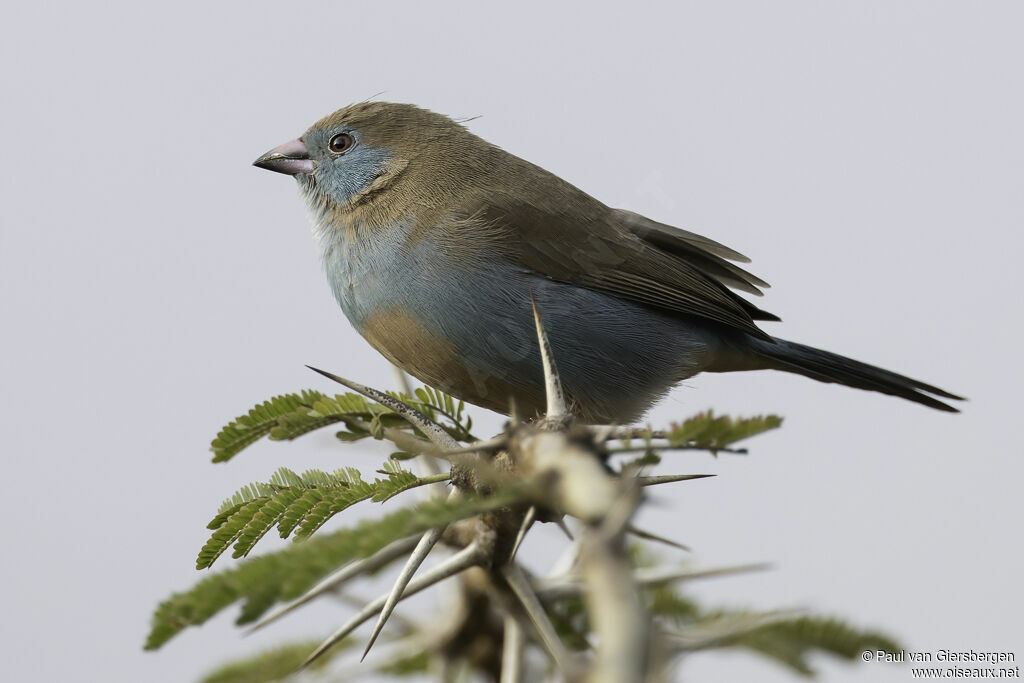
831 367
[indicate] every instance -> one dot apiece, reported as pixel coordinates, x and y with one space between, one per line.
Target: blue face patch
343 176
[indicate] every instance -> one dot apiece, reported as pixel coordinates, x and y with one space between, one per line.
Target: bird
437 244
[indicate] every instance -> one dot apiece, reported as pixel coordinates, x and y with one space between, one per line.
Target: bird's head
354 154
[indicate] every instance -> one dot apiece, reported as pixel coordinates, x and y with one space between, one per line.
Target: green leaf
398 480
704 430
402 455
296 424
347 405
258 422
648 459
297 503
288 573
288 417
666 602
276 664
353 434
407 666
433 403
325 411
790 641
227 533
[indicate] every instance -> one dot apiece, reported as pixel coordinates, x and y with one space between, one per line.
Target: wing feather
568 236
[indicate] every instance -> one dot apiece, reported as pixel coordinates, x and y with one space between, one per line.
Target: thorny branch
561 467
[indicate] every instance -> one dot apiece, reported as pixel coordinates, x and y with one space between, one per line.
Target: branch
520 586
620 619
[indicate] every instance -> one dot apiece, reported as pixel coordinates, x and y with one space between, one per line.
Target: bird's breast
466 326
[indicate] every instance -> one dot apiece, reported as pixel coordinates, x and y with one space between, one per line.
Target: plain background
868 156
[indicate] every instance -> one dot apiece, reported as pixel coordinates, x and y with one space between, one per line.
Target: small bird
436 241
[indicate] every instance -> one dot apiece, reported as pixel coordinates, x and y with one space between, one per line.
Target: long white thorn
512 651
339 577
654 576
528 520
520 586
430 429
470 556
556 408
427 542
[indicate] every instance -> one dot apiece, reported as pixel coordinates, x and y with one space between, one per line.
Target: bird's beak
291 158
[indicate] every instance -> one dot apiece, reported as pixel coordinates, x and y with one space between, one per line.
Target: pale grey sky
868 156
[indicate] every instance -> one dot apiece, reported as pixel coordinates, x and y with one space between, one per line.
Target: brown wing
705 254
578 240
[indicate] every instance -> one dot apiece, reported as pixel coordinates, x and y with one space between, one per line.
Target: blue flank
615 357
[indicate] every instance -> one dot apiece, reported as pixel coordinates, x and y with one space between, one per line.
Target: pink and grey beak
291 158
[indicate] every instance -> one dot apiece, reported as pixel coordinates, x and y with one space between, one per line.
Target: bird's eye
340 142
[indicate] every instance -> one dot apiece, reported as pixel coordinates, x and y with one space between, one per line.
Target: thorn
654 537
652 576
470 556
338 578
602 433
571 585
528 520
671 478
401 379
493 444
520 586
565 528
430 429
514 419
556 408
513 645
423 548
